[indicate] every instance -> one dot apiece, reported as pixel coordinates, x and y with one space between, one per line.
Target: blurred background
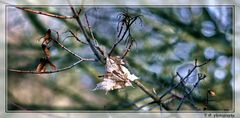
167 40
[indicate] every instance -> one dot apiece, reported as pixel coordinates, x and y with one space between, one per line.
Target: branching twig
125 32
58 70
73 35
89 27
85 33
44 13
183 85
74 54
200 77
128 49
182 80
96 46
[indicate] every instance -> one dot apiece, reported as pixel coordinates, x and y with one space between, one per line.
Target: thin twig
58 70
120 31
189 73
115 44
150 103
125 32
46 72
44 13
202 63
163 103
85 33
195 85
96 46
185 88
74 54
73 35
89 27
79 12
128 49
139 84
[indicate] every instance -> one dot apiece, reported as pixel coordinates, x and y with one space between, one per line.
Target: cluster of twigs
159 99
123 28
124 33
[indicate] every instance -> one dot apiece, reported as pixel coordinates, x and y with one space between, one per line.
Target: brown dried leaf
46 41
41 65
47 37
47 52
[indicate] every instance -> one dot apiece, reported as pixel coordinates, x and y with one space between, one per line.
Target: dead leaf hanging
47 37
45 43
117 76
43 63
46 50
41 66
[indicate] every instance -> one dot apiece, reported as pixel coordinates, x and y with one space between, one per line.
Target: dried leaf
41 65
116 77
45 43
46 51
47 37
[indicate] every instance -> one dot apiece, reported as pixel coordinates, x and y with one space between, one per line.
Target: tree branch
125 32
46 72
85 33
182 80
44 13
128 49
139 84
200 77
74 54
73 35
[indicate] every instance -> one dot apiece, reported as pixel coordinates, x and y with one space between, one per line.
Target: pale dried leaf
117 76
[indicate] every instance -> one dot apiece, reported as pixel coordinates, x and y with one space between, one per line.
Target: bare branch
200 77
183 79
73 35
203 63
89 27
139 84
115 44
96 46
128 49
46 72
150 103
44 13
129 21
85 33
79 12
74 54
